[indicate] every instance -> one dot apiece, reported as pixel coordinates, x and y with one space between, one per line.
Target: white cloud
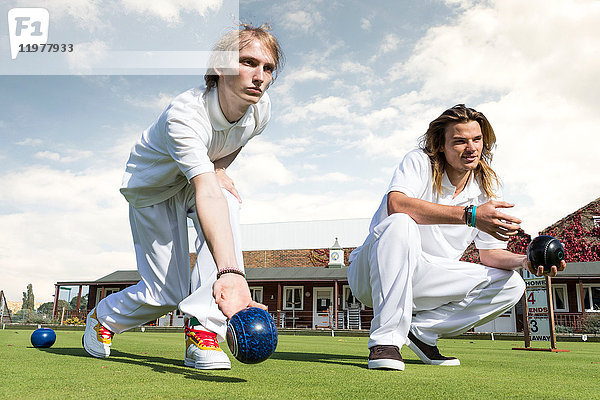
170 10
71 155
354 67
88 55
29 142
329 177
331 106
85 13
365 24
157 102
65 226
91 14
301 20
390 43
510 45
254 172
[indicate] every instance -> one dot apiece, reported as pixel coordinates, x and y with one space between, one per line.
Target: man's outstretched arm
230 290
488 218
504 259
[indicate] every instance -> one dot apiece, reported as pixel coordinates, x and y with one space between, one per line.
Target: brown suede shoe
429 354
386 357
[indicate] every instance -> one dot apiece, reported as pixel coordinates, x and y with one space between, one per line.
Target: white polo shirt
185 140
414 177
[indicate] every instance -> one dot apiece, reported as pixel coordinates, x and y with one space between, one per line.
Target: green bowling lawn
150 365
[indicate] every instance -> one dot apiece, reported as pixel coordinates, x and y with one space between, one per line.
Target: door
322 303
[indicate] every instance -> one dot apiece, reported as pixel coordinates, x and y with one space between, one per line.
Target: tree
46 308
28 299
82 304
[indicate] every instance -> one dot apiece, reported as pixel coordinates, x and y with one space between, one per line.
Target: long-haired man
443 196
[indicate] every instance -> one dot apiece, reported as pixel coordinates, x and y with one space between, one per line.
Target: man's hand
489 220
232 294
226 182
539 271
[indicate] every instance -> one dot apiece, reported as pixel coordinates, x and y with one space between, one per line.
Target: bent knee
398 224
515 285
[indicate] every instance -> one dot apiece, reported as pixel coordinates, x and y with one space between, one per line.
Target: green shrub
591 323
563 329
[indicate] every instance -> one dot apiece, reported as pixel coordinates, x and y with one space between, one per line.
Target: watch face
335 256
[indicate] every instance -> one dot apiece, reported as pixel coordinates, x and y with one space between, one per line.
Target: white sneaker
203 351
96 339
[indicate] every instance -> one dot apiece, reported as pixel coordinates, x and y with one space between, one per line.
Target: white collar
217 118
470 192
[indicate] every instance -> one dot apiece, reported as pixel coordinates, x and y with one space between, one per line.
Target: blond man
176 171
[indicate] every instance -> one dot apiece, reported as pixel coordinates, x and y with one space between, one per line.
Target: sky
360 84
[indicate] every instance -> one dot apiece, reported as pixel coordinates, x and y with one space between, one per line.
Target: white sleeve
186 142
413 175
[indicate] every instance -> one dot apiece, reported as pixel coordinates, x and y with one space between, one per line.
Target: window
257 293
560 298
293 297
107 291
591 298
349 299
596 219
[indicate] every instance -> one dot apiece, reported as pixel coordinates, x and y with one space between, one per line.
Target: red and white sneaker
96 339
203 351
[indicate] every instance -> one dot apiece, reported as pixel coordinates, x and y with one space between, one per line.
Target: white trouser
433 297
160 237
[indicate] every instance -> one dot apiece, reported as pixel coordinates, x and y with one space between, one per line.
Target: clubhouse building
299 270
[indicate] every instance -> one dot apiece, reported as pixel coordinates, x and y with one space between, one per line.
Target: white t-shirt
414 178
185 140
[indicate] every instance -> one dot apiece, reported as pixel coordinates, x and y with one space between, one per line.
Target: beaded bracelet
230 270
469 215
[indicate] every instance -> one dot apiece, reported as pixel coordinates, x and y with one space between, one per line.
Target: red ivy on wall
319 257
580 245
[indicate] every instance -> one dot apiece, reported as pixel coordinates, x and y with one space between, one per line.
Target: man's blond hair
237 40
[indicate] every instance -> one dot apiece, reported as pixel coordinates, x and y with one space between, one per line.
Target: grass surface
150 365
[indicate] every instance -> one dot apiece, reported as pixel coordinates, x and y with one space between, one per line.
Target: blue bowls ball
251 335
43 337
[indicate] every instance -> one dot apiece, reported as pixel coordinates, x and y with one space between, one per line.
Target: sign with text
539 329
537 302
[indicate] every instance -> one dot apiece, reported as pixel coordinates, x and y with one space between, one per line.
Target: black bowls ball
545 250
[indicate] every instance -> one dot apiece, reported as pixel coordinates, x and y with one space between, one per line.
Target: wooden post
582 297
55 305
335 306
551 312
1 306
278 304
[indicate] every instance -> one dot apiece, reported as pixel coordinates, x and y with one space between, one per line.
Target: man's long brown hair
432 143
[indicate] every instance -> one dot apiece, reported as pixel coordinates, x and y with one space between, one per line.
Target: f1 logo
27 26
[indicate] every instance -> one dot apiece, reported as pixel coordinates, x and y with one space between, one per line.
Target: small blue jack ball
43 337
545 250
251 335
